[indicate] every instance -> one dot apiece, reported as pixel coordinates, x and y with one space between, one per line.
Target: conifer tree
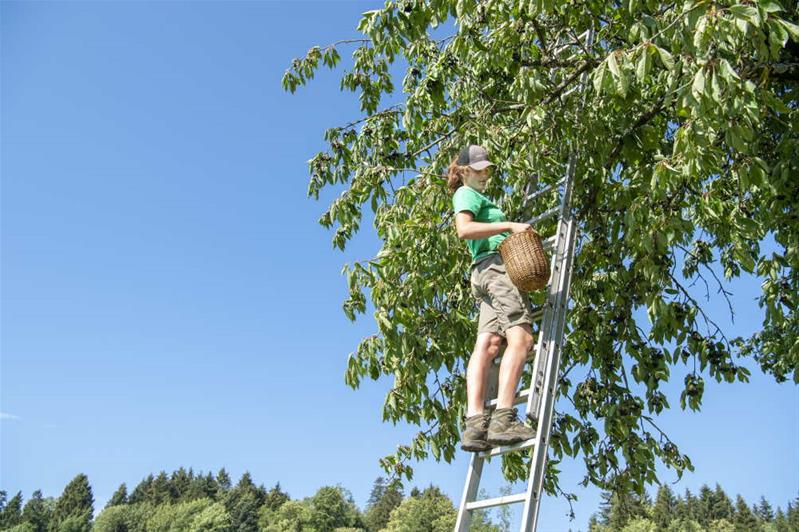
37 513
120 496
780 522
665 505
141 493
223 479
75 505
722 505
161 490
201 486
382 500
180 482
792 515
691 505
705 503
605 503
432 491
763 510
625 507
378 488
12 512
743 519
276 497
243 502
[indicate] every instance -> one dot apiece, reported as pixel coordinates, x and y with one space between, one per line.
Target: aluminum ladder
540 397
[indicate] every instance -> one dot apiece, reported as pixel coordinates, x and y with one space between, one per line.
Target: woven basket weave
525 261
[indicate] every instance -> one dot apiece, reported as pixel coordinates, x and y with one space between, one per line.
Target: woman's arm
468 229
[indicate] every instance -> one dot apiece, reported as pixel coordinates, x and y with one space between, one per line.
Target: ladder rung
520 397
496 501
549 243
545 189
496 451
544 216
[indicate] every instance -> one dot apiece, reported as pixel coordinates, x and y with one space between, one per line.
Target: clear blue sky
168 298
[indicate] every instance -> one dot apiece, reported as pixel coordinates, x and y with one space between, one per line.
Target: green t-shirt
484 210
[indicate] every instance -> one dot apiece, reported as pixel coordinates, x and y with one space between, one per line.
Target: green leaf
727 71
599 77
746 260
793 29
771 6
665 57
614 66
746 12
644 63
715 86
698 86
699 32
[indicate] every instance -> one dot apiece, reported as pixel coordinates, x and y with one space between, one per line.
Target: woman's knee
489 344
521 335
495 342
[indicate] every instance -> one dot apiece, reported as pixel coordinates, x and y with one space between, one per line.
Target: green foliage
640 524
382 501
330 508
664 508
176 517
213 518
711 510
120 496
75 507
38 511
431 511
242 504
11 511
276 497
333 507
75 522
125 518
22 527
686 161
113 518
721 525
291 516
764 511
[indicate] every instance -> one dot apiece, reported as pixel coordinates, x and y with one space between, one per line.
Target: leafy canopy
686 150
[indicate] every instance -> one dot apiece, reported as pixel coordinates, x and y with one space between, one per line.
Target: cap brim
479 165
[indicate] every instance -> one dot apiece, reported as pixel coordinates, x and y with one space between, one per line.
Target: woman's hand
517 227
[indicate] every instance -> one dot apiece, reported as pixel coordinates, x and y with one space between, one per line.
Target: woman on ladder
505 312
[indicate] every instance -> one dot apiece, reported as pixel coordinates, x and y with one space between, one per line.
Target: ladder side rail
541 448
469 492
545 331
541 396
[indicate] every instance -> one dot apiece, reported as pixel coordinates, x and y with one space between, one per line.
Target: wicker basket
525 261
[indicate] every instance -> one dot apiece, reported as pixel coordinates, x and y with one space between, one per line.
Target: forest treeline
185 501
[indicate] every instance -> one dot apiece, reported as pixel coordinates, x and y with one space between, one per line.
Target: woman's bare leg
486 349
520 341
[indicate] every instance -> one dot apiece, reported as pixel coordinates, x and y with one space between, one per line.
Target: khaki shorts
502 305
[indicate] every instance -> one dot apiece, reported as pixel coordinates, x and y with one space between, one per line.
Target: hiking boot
506 429
474 434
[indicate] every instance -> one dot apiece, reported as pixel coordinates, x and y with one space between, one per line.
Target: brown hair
455 175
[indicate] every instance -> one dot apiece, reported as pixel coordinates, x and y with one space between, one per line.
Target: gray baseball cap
475 156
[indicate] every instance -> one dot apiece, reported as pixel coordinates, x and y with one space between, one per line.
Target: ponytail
455 175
